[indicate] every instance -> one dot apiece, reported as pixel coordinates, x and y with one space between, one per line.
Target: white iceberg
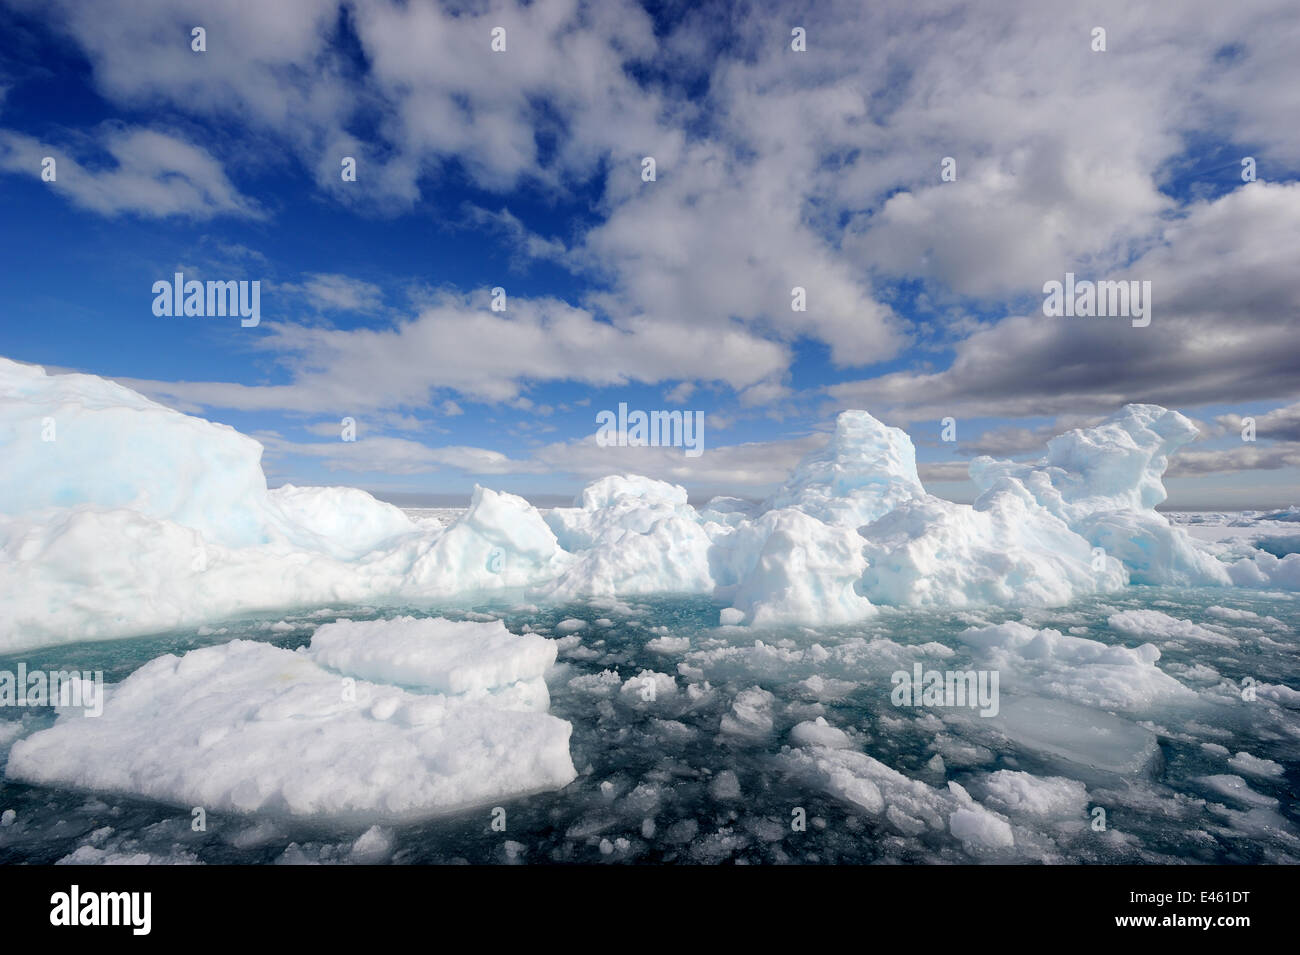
1005 550
865 471
119 516
1105 483
791 568
631 535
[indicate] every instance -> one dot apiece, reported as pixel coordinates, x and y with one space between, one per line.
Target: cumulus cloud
774 170
1248 457
1280 424
1225 307
527 245
780 169
943 471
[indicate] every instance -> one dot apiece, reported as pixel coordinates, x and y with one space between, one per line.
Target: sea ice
1083 737
820 733
1075 668
1023 794
1155 623
119 517
432 653
251 728
979 827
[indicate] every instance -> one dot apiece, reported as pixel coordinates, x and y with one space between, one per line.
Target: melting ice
633 678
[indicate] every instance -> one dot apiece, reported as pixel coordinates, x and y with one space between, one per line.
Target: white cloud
1247 457
680 393
463 346
754 467
389 455
528 245
775 170
333 292
1280 424
943 471
152 174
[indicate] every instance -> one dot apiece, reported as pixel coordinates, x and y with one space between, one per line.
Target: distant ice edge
128 517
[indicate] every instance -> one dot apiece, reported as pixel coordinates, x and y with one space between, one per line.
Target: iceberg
1105 483
500 543
631 535
119 516
78 441
1004 550
865 471
791 568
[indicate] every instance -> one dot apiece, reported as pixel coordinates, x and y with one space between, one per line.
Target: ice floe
252 728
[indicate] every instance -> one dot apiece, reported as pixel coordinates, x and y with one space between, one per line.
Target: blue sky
775 168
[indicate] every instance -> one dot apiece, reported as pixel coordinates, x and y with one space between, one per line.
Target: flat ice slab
1082 736
432 653
251 728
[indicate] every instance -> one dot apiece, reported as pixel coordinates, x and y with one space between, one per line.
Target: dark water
666 782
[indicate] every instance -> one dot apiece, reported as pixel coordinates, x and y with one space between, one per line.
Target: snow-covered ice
134 518
434 654
252 728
